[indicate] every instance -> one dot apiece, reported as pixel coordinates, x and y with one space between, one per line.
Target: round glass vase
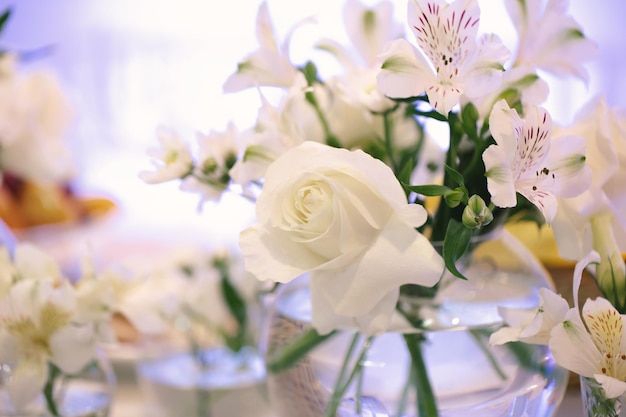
88 393
467 376
212 381
595 403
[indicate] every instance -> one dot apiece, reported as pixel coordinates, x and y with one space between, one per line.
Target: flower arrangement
350 188
50 331
591 229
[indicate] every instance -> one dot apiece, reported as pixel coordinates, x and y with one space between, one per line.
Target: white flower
457 64
596 353
604 130
525 159
217 154
144 295
549 38
519 84
593 345
343 217
531 325
172 160
95 302
32 263
369 29
267 66
37 327
34 116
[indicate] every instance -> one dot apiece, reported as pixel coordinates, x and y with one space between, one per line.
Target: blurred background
129 66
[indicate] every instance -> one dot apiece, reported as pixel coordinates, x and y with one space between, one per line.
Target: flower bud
611 271
476 213
453 197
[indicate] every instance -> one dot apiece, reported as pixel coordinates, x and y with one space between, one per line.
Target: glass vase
210 382
88 393
595 403
467 376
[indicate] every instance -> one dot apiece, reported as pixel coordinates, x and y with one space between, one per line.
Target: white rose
343 217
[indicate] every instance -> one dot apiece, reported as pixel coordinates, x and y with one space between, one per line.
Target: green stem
204 402
330 139
477 335
389 142
444 212
333 403
426 401
340 390
48 390
202 396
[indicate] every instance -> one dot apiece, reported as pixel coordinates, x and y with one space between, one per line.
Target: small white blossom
172 160
267 66
549 38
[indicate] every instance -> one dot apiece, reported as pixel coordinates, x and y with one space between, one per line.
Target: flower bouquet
353 194
51 330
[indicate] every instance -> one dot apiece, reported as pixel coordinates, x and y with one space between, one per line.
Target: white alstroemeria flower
267 66
549 38
457 64
531 325
145 293
360 88
262 149
369 30
525 159
34 264
172 160
593 346
217 154
36 327
95 301
342 216
604 130
519 84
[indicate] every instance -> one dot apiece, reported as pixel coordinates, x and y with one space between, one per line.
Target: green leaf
455 245
412 99
4 18
429 190
235 304
455 175
286 357
431 114
469 120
